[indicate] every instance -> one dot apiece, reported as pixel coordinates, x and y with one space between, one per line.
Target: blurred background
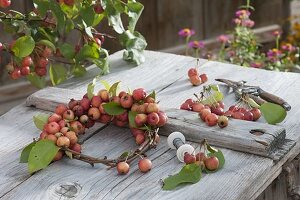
160 23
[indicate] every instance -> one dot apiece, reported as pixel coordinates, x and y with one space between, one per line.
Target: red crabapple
200 156
212 163
25 70
16 74
52 128
104 95
135 107
223 121
192 72
83 119
60 109
238 115
94 113
185 106
42 62
123 117
98 8
77 127
163 118
63 141
140 119
189 159
197 107
72 103
116 99
58 156
43 135
139 94
40 71
53 138
5 3
76 147
101 109
85 103
203 113
152 107
68 115
122 93
64 130
203 78
72 137
122 168
54 118
152 119
104 118
47 52
211 119
69 2
145 165
136 131
140 138
78 110
256 113
27 61
119 123
248 116
126 101
195 80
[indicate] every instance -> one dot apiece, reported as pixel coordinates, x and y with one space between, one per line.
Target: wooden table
244 176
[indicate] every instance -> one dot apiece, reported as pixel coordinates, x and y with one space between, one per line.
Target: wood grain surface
244 176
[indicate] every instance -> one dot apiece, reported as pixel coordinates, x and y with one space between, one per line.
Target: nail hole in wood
257 132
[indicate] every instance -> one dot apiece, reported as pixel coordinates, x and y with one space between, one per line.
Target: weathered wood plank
243 174
235 136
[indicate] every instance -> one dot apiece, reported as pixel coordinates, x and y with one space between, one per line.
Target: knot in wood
67 190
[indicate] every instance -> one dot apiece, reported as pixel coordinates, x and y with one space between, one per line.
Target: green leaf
67 50
40 120
88 15
124 155
91 88
41 155
113 108
26 151
220 157
214 88
58 74
113 89
153 95
273 113
211 149
105 84
252 103
59 15
37 81
88 51
135 10
69 25
215 97
42 6
113 15
188 174
24 46
79 70
48 44
131 119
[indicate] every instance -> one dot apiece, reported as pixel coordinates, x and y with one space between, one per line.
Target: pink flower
248 23
274 55
288 47
237 21
186 32
256 64
196 44
276 33
223 38
242 14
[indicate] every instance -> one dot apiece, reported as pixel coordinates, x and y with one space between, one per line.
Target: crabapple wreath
61 130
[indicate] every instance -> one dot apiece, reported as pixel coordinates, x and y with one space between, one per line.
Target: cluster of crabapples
205 162
68 122
210 114
195 78
35 63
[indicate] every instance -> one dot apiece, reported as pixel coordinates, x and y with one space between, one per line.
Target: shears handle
274 99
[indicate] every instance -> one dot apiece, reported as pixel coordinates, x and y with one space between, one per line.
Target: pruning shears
255 92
